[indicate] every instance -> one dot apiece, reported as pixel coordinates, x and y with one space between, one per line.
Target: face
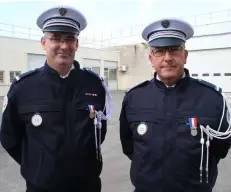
60 48
168 61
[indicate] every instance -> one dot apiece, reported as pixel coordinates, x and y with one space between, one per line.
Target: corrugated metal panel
211 65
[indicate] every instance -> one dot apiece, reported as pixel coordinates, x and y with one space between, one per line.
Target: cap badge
165 23
62 11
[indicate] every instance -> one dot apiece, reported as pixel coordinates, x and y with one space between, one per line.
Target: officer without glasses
176 135
54 118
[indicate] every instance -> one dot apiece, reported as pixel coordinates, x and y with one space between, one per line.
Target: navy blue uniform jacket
166 158
60 151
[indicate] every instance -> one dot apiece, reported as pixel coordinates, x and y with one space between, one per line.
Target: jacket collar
50 70
185 76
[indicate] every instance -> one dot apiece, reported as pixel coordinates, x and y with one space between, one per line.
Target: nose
63 45
167 56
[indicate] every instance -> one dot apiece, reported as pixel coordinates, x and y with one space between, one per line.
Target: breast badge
142 128
36 120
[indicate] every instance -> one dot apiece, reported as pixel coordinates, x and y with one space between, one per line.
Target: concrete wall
135 58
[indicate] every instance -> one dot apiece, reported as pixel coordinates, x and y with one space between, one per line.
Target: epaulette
210 85
136 86
23 75
93 73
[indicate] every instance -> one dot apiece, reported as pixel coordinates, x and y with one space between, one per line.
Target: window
112 75
194 75
1 76
13 74
205 74
227 74
106 74
216 74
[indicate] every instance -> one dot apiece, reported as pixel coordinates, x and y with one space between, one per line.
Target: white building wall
17 54
209 42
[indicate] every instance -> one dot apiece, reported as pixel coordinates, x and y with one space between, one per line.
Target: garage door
35 61
211 65
110 74
92 64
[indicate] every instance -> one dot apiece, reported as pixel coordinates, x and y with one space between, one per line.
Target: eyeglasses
59 40
160 51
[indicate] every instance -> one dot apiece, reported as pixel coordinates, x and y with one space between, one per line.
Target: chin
169 75
64 61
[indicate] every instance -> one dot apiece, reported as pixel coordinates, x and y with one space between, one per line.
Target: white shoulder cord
213 133
207 162
202 155
222 135
99 116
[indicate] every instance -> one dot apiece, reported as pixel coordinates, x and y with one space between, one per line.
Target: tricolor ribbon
193 122
91 107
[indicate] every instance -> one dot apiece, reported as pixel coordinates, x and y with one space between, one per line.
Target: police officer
54 117
173 127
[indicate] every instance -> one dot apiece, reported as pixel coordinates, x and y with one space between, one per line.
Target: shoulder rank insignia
23 75
136 86
216 88
93 73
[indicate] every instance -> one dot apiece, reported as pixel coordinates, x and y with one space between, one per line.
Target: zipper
174 132
170 106
65 110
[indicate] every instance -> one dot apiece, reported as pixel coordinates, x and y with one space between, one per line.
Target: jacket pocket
48 115
148 134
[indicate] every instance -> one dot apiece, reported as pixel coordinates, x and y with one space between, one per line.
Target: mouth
169 67
66 54
63 54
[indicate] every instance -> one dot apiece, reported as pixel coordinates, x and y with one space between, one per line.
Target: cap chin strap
169 33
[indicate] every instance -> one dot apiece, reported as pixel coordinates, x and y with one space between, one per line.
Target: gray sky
107 14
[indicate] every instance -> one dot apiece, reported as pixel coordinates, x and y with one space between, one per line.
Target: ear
43 42
185 56
77 45
151 60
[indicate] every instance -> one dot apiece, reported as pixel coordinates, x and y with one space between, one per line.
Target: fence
114 37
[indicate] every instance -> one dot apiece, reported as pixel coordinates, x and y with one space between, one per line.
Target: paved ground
115 176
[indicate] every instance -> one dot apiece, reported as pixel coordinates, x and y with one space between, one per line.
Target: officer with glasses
54 117
174 128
